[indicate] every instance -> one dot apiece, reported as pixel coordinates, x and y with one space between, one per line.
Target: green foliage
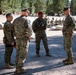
73 6
31 5
24 4
34 6
0 7
40 6
11 5
58 5
49 6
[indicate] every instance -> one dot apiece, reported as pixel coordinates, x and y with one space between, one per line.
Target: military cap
65 8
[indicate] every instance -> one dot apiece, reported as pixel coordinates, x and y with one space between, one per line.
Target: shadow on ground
35 64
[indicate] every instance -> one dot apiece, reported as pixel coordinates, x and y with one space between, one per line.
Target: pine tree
25 4
40 6
31 5
0 7
11 5
45 6
58 5
73 6
49 6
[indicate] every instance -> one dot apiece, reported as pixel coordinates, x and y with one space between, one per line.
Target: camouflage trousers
8 53
21 47
67 45
42 37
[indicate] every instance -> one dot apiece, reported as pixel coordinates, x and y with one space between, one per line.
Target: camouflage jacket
68 25
8 33
39 25
20 28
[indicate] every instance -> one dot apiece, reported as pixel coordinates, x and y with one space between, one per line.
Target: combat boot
37 54
48 55
65 60
69 61
11 64
8 66
20 71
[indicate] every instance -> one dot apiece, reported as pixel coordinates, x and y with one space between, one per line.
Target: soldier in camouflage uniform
8 41
68 27
39 27
22 33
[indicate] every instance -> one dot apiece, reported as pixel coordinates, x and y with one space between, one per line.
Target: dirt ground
43 65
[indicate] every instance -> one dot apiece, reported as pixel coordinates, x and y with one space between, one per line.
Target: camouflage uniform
68 27
39 28
8 39
20 28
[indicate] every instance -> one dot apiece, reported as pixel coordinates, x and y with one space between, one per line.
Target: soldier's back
20 25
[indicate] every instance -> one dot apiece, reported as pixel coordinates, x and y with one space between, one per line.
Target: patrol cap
39 13
8 14
65 8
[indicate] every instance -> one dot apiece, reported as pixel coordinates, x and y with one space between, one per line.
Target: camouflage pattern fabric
39 28
22 48
8 53
68 27
22 33
8 39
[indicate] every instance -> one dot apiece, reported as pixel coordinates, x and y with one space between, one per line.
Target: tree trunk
30 7
0 8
